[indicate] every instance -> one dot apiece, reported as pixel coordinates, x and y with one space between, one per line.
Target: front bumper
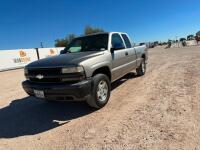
60 91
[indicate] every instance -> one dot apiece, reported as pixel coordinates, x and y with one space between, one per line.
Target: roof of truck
102 33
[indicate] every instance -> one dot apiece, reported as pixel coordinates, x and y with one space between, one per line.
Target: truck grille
52 75
44 71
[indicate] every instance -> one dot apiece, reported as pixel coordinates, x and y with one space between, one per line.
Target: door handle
126 53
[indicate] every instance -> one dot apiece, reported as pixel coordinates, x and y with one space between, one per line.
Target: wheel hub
102 91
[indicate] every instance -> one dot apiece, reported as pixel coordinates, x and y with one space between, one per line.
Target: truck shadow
29 116
122 80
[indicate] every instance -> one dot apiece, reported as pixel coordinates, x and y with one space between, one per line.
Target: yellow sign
22 57
52 52
22 53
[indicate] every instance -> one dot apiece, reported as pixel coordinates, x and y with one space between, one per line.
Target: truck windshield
97 42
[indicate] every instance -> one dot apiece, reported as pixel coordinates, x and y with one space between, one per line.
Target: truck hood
64 59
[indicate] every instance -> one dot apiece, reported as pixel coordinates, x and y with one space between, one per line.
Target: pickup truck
85 69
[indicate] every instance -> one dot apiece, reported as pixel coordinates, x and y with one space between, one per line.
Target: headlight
72 70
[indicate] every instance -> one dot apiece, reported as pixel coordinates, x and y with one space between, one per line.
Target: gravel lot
158 111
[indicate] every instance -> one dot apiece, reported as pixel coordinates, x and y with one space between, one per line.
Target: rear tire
100 91
141 70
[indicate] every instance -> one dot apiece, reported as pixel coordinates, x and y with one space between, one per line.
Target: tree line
63 42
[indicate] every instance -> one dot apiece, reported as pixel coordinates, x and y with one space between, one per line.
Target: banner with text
48 52
11 59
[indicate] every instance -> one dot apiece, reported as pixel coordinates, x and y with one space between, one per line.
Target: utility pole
41 45
177 43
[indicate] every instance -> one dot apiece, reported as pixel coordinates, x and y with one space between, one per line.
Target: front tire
100 91
141 70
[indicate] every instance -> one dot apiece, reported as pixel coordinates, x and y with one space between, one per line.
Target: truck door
131 54
119 58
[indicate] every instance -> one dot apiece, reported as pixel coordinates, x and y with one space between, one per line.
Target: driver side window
117 42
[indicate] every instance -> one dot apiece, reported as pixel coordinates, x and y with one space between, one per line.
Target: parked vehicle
190 37
141 44
169 43
197 37
156 43
151 45
182 39
85 69
183 42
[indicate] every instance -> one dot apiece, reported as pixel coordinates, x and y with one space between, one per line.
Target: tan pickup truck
85 69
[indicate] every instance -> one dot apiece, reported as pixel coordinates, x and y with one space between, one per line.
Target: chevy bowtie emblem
39 76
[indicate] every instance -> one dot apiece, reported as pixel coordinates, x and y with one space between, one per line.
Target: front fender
92 64
89 71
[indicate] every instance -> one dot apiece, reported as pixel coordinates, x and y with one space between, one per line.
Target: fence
13 59
187 43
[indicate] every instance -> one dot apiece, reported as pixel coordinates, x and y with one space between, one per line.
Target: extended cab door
119 56
131 54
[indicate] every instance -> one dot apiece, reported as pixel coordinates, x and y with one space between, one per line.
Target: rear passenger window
117 40
127 41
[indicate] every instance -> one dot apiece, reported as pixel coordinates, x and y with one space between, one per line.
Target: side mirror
117 46
62 52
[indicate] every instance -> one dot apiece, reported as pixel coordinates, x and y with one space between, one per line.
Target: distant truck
197 37
85 69
190 37
183 42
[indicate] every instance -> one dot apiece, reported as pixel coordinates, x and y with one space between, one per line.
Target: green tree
90 30
65 41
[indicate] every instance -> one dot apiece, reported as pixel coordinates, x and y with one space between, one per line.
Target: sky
26 23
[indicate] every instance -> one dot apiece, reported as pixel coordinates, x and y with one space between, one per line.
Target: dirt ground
158 111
